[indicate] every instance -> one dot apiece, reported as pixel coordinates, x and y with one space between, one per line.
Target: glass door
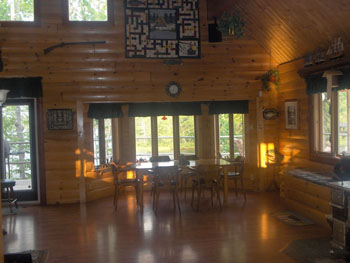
20 147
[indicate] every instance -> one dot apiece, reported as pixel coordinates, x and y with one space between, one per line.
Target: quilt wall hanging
162 29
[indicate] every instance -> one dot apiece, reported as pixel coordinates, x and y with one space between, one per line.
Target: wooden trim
231 135
154 135
319 68
176 137
216 135
80 133
109 22
41 151
101 141
34 23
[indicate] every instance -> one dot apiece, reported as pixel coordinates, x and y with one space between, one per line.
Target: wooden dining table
142 168
215 162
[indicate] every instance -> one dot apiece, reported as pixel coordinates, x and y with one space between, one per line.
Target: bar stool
7 186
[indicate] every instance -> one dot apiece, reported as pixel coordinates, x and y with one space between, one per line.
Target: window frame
35 23
176 136
102 140
109 22
231 134
314 131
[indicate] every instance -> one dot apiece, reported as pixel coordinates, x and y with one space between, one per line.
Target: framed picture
291 114
59 119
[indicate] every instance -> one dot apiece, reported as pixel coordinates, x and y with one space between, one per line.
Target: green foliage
232 24
272 76
88 10
17 10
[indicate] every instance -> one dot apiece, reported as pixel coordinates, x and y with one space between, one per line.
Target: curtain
316 84
105 110
234 106
22 87
344 80
159 109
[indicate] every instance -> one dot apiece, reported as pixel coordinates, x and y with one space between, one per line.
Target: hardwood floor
241 232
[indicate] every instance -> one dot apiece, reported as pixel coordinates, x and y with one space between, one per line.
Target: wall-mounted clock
173 89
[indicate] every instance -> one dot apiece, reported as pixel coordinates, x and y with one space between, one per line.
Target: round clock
173 89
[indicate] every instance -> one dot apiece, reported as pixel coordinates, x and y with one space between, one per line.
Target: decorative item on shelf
164 118
173 89
270 114
308 60
232 24
272 76
319 56
336 49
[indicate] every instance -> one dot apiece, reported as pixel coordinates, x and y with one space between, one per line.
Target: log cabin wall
76 75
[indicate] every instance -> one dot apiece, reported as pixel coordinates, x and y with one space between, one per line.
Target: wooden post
81 168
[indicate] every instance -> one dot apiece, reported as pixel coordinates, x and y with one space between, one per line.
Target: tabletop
220 162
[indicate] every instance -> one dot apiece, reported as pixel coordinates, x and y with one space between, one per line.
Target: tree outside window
17 10
88 10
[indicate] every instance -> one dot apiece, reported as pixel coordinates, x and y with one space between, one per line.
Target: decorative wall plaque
59 119
162 29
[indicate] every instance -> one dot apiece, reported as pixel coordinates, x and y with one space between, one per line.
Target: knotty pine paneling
100 73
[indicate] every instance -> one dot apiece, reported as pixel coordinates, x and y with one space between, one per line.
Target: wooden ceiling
290 28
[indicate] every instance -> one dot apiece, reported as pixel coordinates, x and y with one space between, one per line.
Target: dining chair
207 178
166 178
154 159
121 180
235 172
187 173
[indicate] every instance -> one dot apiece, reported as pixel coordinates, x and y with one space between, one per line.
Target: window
164 135
89 10
332 122
230 138
187 135
143 137
103 143
18 10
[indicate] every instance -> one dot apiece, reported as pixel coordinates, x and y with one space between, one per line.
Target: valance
344 80
316 84
22 87
233 106
105 110
159 109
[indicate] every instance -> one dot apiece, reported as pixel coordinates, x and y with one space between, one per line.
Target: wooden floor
242 232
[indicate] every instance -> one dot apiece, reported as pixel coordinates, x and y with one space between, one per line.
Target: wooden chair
207 178
121 181
155 159
187 173
235 172
166 178
7 190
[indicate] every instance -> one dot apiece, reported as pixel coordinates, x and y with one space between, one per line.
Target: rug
292 218
316 250
34 256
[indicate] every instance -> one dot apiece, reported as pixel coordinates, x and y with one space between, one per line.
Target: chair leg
243 189
199 196
218 195
178 200
212 195
236 187
116 196
157 199
13 197
184 184
136 193
9 198
174 201
154 198
193 189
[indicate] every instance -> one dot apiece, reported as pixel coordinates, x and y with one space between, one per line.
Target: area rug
292 218
34 256
316 250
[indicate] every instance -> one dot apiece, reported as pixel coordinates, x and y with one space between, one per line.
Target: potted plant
232 24
271 77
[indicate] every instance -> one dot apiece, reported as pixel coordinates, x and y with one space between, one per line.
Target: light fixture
164 118
3 95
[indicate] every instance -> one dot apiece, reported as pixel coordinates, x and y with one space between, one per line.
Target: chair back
164 158
120 174
166 175
207 173
237 167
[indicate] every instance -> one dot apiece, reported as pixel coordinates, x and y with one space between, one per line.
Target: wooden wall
74 75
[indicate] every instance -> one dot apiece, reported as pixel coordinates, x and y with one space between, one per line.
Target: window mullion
348 119
231 132
176 134
154 132
101 138
334 123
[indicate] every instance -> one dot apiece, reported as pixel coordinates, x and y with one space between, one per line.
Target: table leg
225 187
140 177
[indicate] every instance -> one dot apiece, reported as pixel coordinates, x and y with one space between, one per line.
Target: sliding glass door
20 147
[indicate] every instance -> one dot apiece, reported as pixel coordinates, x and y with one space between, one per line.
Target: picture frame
291 114
59 119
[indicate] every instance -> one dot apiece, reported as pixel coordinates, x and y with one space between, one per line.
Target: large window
103 143
230 138
187 135
143 136
164 135
89 10
17 10
332 123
